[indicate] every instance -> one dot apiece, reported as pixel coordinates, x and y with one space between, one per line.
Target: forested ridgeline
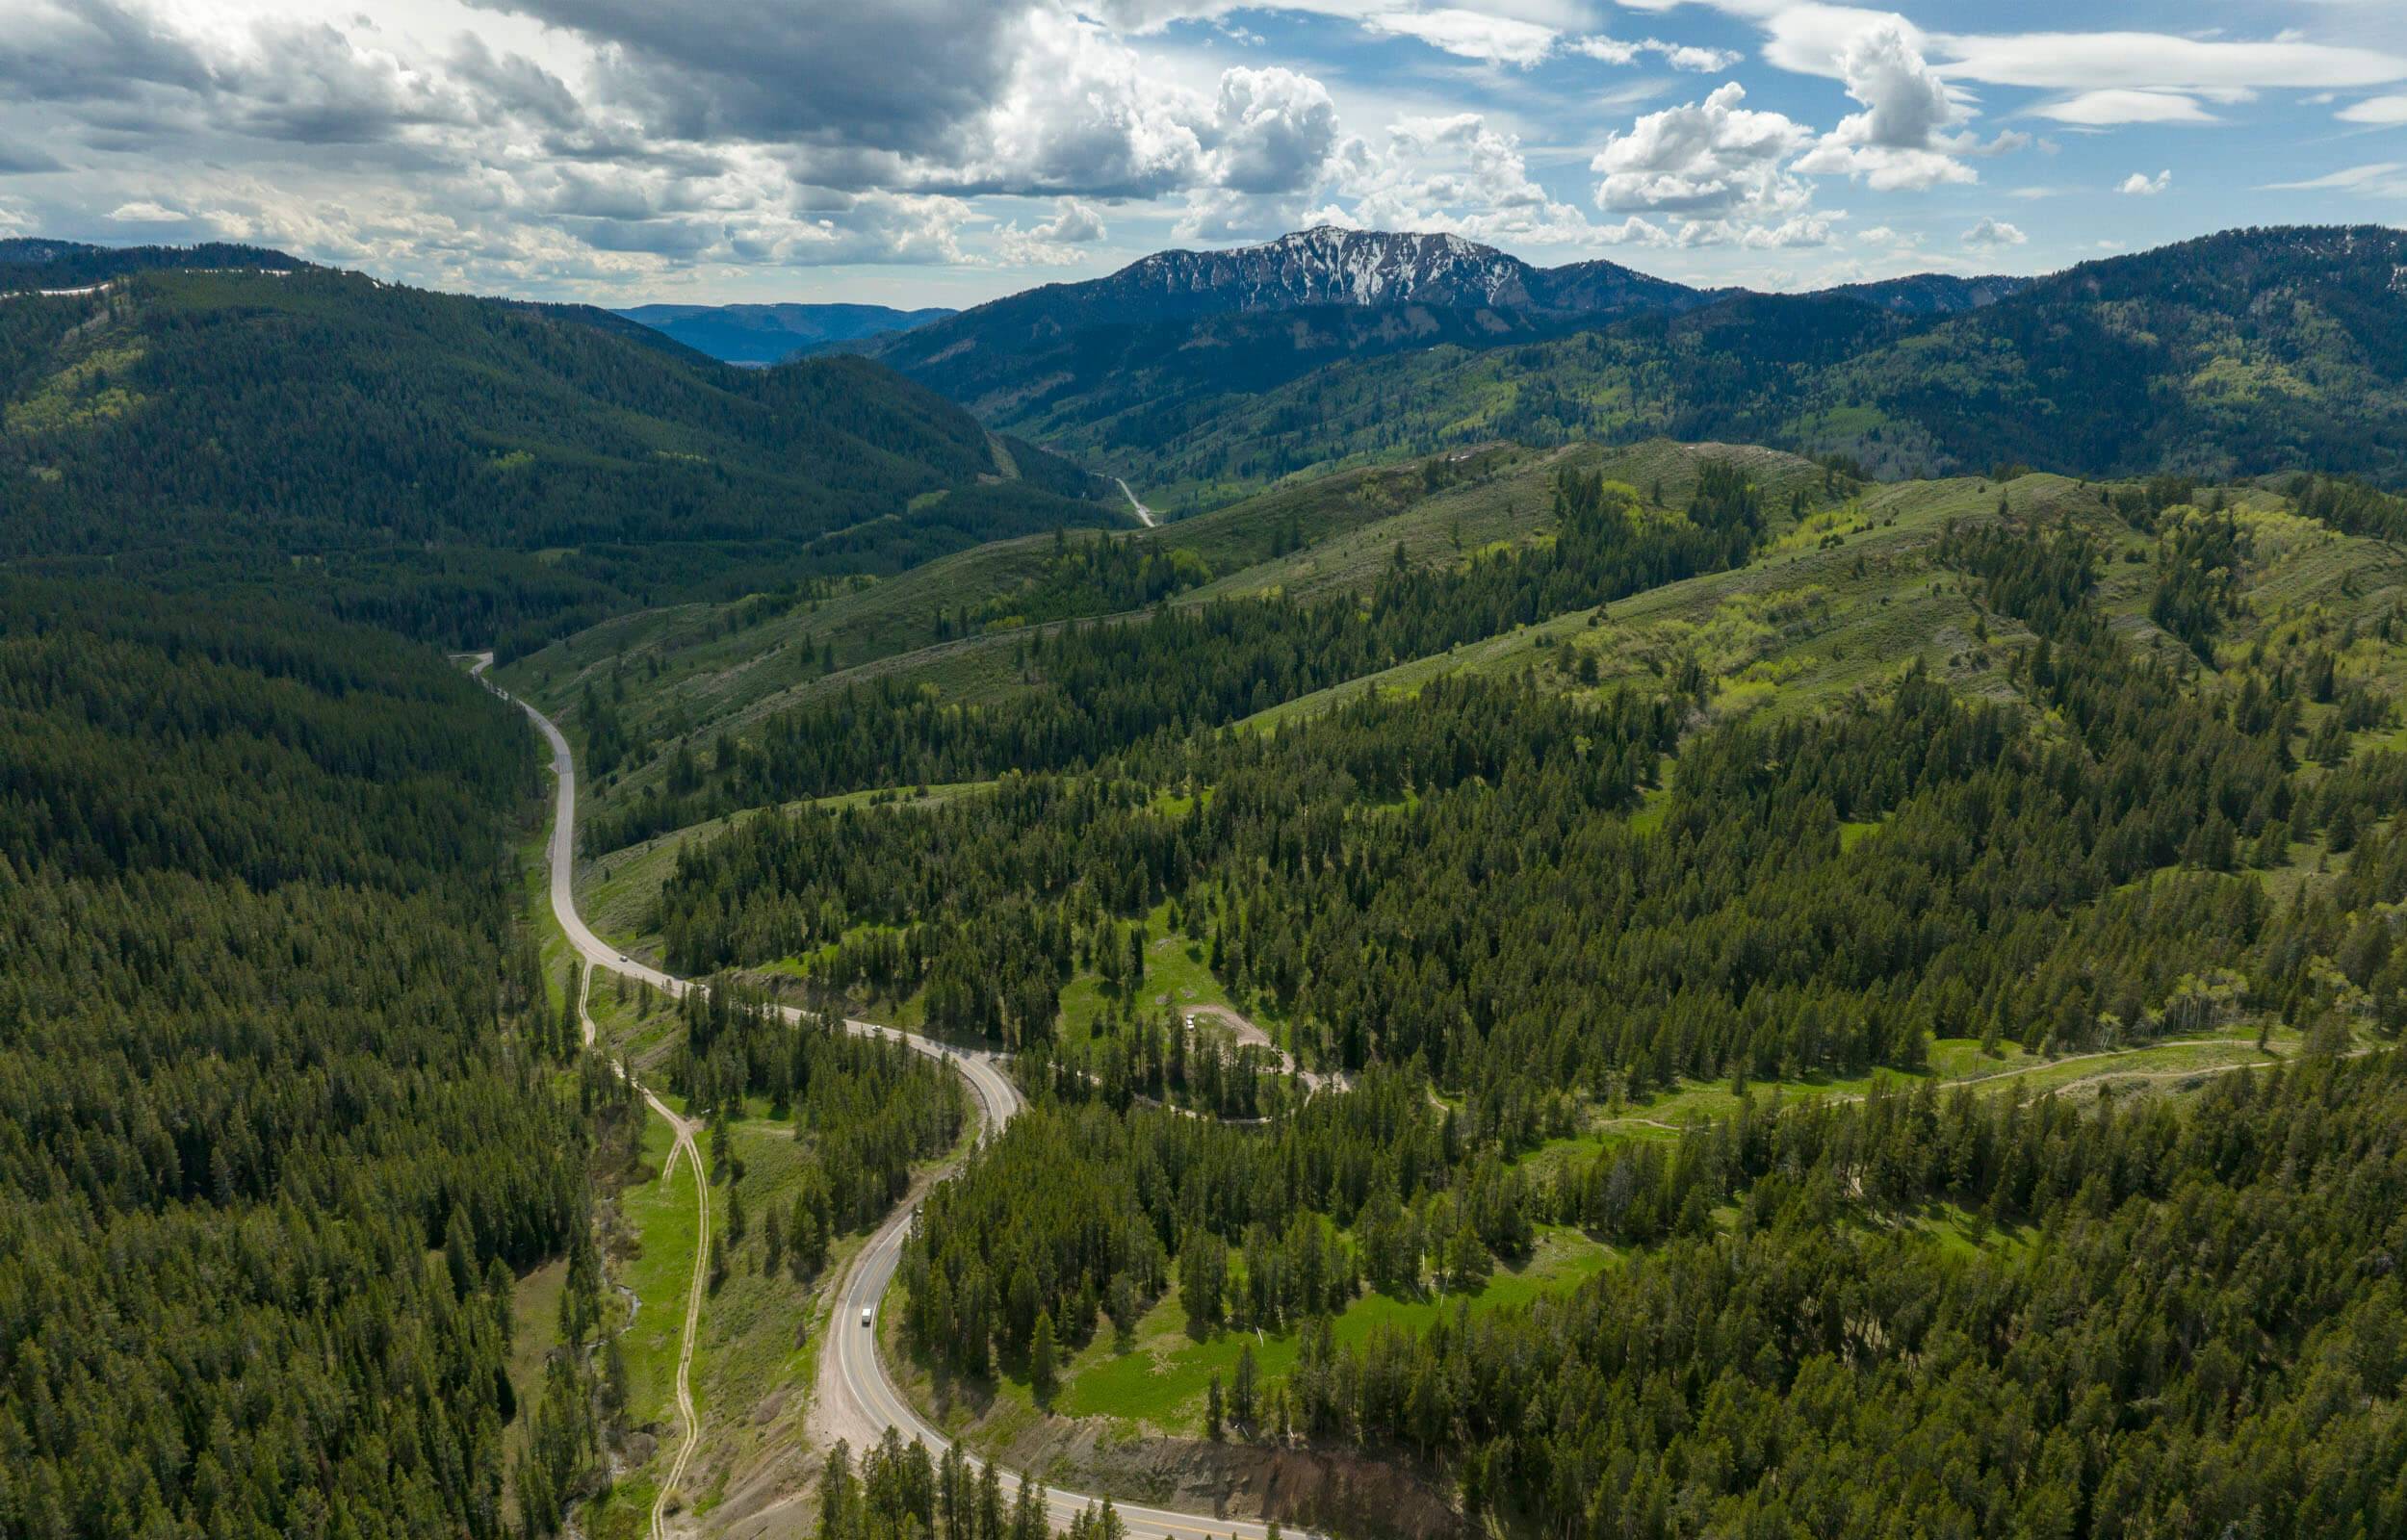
276 1125
1100 689
670 677
30 262
1096 575
475 471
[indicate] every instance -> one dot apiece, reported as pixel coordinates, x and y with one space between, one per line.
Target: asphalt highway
855 1399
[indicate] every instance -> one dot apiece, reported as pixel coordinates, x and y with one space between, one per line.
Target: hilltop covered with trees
472 471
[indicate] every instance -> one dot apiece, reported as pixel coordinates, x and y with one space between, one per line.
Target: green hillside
1843 601
473 470
1827 922
1840 599
676 680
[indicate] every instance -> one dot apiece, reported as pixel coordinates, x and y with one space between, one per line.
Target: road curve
681 1147
855 1398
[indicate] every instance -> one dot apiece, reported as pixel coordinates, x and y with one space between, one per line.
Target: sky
941 152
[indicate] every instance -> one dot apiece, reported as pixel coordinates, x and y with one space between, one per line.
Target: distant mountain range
773 334
1201 374
1332 267
1373 269
1150 352
1358 270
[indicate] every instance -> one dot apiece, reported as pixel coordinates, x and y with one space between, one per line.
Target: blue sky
944 151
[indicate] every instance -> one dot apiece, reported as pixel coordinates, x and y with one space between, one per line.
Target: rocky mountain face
1329 266
1201 321
1320 267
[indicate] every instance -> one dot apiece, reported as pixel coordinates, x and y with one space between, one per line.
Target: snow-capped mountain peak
1329 265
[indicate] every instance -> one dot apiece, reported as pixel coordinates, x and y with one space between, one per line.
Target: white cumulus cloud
1715 166
1994 233
1053 242
1274 129
1897 141
2140 185
1462 175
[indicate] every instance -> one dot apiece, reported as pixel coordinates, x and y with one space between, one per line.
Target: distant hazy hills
772 334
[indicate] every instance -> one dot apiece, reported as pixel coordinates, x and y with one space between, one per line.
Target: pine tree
570 1030
1041 1358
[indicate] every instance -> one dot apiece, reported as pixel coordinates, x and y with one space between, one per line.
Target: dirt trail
1246 1032
693 1320
682 1148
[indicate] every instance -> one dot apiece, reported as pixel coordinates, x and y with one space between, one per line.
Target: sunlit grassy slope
689 672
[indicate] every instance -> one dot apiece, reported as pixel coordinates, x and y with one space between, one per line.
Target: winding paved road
855 1398
682 1146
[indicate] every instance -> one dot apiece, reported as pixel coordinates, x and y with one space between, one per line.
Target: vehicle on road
864 1314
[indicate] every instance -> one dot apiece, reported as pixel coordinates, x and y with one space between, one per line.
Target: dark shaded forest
277 1125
